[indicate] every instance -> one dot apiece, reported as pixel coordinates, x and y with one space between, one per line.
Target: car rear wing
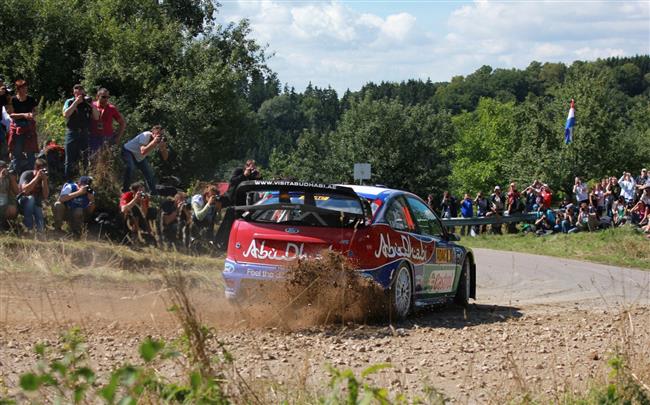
282 186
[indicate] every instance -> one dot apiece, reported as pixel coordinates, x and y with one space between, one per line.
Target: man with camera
175 221
75 205
136 151
79 111
8 192
34 189
134 206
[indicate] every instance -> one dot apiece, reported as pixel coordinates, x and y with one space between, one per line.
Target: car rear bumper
244 279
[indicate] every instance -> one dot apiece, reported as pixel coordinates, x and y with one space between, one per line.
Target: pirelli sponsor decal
444 255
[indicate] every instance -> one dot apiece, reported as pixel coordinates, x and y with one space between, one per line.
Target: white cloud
328 43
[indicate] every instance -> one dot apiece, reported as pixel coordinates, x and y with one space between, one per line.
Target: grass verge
623 246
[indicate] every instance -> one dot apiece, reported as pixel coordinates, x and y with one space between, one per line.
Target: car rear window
341 210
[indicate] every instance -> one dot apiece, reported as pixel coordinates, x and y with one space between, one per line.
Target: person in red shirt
102 131
547 196
134 206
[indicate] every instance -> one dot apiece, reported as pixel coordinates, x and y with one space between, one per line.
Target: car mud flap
472 274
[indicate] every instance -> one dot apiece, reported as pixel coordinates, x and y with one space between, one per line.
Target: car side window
399 217
428 223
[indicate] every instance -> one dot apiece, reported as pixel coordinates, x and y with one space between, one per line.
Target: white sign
362 171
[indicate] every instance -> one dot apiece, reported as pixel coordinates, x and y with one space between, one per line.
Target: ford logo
291 230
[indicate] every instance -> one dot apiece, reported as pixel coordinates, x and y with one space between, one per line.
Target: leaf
374 368
40 349
86 373
195 380
30 382
128 400
149 348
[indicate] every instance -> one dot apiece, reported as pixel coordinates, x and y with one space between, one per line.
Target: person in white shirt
135 152
580 191
628 186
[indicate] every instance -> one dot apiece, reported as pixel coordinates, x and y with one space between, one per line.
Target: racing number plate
443 255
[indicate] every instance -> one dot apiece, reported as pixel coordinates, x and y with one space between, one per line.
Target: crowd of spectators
603 203
148 213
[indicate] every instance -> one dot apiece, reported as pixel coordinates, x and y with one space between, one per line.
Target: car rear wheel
401 293
463 291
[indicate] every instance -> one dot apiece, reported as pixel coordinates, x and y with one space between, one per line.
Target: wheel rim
402 292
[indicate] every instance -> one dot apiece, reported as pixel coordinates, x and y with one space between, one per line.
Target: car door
439 273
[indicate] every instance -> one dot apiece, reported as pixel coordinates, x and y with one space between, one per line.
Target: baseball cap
497 188
85 180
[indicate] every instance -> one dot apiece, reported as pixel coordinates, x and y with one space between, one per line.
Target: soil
546 341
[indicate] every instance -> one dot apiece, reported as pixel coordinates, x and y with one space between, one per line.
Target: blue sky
345 44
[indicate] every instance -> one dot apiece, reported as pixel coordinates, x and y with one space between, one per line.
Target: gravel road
541 324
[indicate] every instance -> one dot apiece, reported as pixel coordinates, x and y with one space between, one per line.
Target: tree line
170 62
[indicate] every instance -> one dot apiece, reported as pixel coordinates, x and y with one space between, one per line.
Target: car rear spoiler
288 186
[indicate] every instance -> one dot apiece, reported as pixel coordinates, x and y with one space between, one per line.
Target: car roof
372 192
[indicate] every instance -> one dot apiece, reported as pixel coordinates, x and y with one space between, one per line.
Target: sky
345 44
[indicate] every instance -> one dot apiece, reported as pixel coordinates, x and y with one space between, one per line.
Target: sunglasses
104 97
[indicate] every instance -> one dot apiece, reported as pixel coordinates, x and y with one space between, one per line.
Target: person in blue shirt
466 211
75 205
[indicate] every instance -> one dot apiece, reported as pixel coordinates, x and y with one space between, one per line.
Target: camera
90 190
8 91
44 171
88 99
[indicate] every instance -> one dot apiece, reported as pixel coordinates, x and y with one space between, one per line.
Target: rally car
391 236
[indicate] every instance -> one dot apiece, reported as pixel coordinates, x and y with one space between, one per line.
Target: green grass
623 246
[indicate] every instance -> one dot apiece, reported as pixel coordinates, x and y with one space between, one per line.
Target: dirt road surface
540 324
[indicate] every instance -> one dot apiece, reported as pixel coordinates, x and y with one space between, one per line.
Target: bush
50 123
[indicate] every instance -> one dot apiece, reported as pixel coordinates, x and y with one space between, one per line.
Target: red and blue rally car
391 236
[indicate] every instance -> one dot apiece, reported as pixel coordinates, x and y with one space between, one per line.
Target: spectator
638 213
546 197
568 223
628 187
466 211
75 205
612 192
546 222
22 141
641 181
134 206
497 206
5 100
175 221
597 199
586 220
482 209
135 152
79 112
205 208
530 195
619 210
430 202
580 191
102 131
33 188
8 192
513 205
249 172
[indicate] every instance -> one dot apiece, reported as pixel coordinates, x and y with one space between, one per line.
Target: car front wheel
401 293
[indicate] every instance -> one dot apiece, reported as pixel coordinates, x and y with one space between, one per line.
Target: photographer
22 141
134 206
8 192
175 221
205 208
76 204
135 152
33 188
78 112
102 129
249 172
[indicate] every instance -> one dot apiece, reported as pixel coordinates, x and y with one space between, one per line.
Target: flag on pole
570 123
